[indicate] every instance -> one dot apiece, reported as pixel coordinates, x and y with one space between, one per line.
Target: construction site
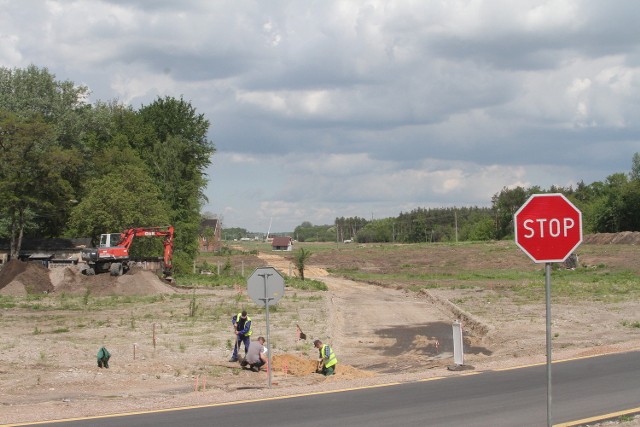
170 344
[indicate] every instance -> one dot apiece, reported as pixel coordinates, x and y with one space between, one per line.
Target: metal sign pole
266 304
547 282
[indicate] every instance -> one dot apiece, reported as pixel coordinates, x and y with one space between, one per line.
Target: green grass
209 280
307 284
438 277
635 324
7 302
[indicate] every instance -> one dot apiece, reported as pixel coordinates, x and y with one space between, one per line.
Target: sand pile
136 282
18 278
21 278
298 367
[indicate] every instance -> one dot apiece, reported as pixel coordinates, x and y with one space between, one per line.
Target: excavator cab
109 240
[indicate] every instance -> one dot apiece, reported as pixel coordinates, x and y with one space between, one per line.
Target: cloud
329 109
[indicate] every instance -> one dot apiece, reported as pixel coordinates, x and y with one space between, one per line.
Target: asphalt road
581 389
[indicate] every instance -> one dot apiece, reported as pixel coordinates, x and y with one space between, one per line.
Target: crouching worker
103 358
328 360
256 356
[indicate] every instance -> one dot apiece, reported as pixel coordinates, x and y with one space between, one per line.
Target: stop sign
265 286
548 227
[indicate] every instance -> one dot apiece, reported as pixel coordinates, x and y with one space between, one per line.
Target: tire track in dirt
386 330
379 329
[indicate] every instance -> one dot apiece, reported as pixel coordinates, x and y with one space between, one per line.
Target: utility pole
455 215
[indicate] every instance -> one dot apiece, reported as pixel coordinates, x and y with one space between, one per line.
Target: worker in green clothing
327 359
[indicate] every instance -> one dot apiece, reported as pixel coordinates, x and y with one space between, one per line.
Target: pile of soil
299 367
22 278
622 238
18 278
136 282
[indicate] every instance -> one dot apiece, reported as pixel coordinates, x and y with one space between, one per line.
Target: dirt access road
380 329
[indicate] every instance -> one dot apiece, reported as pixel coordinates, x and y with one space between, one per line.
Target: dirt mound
299 367
622 238
19 278
136 282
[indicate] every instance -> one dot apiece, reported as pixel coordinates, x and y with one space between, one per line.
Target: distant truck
112 254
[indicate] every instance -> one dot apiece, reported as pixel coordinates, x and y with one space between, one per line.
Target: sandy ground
163 357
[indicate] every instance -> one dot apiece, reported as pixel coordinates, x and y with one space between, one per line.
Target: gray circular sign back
269 294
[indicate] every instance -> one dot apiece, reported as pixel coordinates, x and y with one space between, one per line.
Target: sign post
265 287
548 228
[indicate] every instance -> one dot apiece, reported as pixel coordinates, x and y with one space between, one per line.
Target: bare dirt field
170 345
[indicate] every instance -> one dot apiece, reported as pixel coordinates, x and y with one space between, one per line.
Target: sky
325 109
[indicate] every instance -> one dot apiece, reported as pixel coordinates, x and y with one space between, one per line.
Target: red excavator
115 258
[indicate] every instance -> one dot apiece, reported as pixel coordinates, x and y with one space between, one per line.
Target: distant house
282 244
210 235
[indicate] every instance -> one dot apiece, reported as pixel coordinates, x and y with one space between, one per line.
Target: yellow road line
316 393
564 360
599 418
208 405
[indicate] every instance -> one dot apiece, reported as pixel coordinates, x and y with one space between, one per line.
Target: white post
458 344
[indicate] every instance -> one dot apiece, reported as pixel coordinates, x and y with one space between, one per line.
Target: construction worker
242 328
327 358
256 356
103 358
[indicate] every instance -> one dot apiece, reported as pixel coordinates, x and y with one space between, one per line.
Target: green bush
182 263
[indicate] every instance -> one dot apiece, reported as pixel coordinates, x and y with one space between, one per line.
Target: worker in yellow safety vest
327 358
242 328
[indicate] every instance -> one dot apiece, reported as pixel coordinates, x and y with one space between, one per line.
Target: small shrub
193 305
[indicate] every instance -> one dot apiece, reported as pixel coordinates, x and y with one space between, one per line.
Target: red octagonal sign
548 227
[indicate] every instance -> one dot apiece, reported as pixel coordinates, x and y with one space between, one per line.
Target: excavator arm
126 239
116 259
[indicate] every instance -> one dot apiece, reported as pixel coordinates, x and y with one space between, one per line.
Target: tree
122 199
608 216
34 92
635 168
347 228
307 232
505 204
630 206
481 230
234 233
378 230
32 178
300 259
178 158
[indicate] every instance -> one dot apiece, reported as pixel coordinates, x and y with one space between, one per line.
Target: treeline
74 169
608 206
